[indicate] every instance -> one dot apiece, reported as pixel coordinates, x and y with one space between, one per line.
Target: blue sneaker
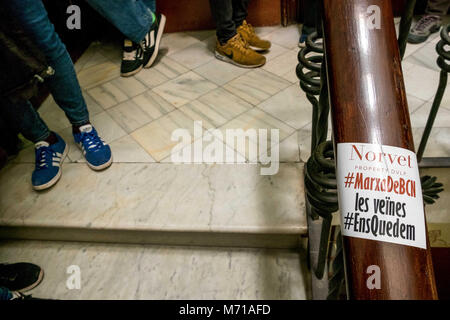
95 150
48 163
306 31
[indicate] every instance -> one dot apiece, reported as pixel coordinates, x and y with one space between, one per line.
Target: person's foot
237 52
49 158
306 31
152 40
248 33
20 276
96 151
19 296
132 60
427 25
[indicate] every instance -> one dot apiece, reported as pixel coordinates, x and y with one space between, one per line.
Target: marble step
124 271
157 203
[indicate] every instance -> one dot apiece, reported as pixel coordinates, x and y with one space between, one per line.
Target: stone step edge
273 240
138 272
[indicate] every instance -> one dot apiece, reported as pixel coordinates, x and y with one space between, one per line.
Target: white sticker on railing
380 195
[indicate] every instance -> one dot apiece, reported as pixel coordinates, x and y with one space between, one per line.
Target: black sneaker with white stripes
132 60
152 40
22 276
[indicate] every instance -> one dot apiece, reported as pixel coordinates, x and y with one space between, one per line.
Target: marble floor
137 116
136 272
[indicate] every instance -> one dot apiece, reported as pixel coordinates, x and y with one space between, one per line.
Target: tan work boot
237 52
248 34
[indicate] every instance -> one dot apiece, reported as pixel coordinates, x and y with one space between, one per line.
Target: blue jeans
22 117
63 84
132 17
5 294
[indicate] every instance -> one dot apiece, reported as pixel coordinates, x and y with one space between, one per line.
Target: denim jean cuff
141 34
42 137
79 123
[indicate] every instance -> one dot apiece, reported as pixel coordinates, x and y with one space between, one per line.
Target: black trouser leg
8 133
438 7
240 11
222 12
311 13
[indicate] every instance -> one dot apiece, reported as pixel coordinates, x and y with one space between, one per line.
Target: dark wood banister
406 271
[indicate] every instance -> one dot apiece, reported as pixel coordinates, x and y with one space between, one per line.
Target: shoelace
145 42
240 44
249 28
133 55
90 141
425 22
44 156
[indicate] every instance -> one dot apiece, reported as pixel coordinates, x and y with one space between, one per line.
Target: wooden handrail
368 105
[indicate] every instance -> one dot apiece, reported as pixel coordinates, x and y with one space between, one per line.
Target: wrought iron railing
442 61
320 171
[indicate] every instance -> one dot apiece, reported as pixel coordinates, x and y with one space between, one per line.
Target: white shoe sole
132 73
259 50
56 178
226 59
162 24
100 167
35 284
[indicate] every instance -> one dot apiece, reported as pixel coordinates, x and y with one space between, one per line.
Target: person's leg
438 7
23 117
9 140
311 13
63 85
50 148
142 28
310 20
5 294
132 18
222 12
230 45
240 11
151 4
430 22
246 31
